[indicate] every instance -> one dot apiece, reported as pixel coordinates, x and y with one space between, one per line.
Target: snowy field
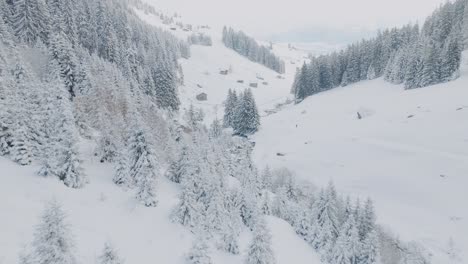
202 72
409 153
103 212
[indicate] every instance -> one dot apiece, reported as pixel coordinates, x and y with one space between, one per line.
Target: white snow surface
415 168
103 212
409 153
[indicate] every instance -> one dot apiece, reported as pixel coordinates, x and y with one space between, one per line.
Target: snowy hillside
202 71
131 166
102 212
409 152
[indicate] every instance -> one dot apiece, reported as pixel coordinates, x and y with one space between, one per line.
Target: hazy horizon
299 20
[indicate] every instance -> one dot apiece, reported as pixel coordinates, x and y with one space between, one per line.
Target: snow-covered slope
103 212
409 153
202 71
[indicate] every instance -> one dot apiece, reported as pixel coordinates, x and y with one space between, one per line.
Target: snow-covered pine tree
53 242
143 166
451 57
281 204
109 255
260 251
230 107
62 52
249 208
216 129
178 167
189 211
371 72
30 20
7 88
216 213
21 150
347 249
366 220
301 90
414 67
267 179
370 251
199 253
166 86
229 241
194 117
266 206
122 171
303 225
465 26
325 221
247 118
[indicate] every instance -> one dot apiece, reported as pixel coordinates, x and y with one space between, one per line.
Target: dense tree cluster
409 55
71 69
248 47
241 113
91 69
200 39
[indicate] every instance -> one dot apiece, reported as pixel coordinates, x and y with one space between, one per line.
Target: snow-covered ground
202 71
103 212
409 153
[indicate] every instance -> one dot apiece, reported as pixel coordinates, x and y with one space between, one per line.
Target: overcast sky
266 18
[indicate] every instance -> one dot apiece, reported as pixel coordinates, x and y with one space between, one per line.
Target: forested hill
72 67
411 55
248 47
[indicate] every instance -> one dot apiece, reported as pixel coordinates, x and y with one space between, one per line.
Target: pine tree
143 167
302 86
303 225
67 164
178 168
371 72
166 87
230 107
260 251
53 243
281 204
215 129
20 146
370 249
30 20
109 255
366 220
199 252
266 203
465 27
451 57
325 222
122 172
229 242
216 213
70 170
62 53
347 247
247 118
189 211
431 73
249 209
